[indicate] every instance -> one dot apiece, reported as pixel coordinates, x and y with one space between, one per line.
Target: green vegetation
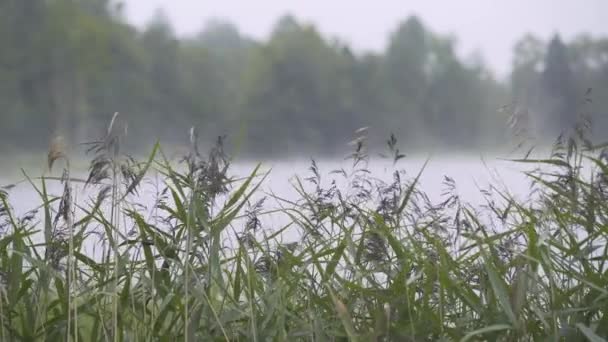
370 261
67 64
366 260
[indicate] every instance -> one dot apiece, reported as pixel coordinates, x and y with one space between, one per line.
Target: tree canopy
68 65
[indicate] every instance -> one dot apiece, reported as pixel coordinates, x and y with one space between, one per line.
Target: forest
68 65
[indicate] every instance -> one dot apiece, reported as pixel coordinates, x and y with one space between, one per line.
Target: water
471 174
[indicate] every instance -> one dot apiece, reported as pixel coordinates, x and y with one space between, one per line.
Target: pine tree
558 100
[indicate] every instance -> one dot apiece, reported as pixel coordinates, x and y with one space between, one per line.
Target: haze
286 79
489 28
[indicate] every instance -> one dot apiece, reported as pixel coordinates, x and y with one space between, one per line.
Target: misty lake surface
471 174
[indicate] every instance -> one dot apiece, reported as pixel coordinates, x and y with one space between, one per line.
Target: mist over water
470 173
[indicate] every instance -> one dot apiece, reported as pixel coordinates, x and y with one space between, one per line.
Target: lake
471 174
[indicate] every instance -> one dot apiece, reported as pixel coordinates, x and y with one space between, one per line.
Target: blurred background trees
67 65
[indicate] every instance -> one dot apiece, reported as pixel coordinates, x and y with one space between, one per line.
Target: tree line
67 65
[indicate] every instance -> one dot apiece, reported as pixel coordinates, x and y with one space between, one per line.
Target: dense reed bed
371 261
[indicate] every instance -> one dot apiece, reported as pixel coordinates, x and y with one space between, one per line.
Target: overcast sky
489 27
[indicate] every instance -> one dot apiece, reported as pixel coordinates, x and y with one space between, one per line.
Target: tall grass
371 260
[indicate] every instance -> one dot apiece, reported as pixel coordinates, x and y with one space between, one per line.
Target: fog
283 80
280 170
487 28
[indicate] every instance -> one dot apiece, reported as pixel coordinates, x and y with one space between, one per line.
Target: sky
487 28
